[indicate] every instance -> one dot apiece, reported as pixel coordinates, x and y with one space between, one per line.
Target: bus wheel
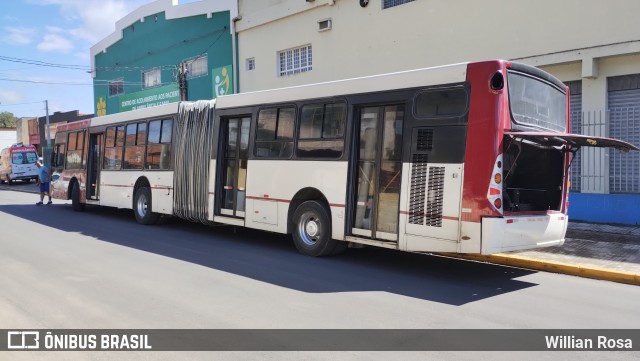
312 230
142 206
9 180
75 198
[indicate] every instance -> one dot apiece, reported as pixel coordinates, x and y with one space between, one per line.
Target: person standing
43 181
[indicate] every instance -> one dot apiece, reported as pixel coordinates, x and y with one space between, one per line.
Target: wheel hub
312 228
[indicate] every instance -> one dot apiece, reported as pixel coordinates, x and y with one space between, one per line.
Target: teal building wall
160 43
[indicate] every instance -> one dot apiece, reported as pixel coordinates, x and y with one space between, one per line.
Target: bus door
234 165
94 166
378 172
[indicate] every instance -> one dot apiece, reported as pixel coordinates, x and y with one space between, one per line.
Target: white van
18 162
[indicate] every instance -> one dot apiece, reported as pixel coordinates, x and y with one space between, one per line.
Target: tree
7 120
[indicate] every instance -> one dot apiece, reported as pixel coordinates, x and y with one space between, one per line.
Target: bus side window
321 132
438 103
58 155
274 133
159 144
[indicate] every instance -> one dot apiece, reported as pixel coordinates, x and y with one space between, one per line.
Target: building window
251 63
116 87
151 78
391 3
274 133
324 25
197 67
294 61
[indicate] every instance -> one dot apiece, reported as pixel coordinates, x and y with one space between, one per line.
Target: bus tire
312 230
75 198
142 207
9 180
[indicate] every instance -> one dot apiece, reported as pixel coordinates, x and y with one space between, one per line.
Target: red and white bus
465 158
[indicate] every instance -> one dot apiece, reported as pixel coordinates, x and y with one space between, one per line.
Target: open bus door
379 173
94 166
234 157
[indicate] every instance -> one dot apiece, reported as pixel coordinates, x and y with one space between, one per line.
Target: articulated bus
465 158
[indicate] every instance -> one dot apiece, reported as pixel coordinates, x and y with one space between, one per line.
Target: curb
20 190
555 267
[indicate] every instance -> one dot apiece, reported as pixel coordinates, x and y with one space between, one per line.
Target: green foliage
7 120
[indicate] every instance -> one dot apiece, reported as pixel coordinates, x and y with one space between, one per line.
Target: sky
55 32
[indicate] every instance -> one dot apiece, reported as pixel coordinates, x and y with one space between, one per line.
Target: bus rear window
24 157
536 103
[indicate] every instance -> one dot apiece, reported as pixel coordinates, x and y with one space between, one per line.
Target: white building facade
592 45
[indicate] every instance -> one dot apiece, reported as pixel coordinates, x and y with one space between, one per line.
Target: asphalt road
99 269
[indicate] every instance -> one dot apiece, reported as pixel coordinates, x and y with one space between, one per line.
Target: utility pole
46 151
182 81
46 107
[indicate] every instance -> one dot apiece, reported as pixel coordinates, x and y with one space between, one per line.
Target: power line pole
46 107
182 82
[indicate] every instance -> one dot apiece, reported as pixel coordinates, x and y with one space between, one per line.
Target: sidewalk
590 250
599 251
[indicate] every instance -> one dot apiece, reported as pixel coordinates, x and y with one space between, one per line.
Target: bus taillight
494 193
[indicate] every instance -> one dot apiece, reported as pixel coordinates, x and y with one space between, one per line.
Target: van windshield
24 157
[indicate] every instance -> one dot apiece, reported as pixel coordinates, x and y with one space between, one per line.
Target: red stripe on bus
429 215
269 199
131 186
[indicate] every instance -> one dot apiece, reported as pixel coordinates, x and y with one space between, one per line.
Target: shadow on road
272 258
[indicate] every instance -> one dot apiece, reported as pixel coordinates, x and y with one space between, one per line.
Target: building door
94 166
623 99
235 135
378 172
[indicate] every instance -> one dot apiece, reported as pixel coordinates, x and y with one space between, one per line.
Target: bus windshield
536 103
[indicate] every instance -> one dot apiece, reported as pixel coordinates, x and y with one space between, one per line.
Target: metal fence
593 166
624 168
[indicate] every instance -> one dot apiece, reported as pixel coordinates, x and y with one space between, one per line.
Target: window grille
151 78
251 64
197 67
295 61
391 3
116 87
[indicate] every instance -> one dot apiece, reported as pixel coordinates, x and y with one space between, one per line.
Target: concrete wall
7 137
371 40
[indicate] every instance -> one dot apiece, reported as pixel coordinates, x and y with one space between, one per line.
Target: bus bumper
523 232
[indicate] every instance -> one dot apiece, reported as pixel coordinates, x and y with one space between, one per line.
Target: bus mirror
497 81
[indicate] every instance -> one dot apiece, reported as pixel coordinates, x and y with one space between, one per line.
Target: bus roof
455 73
156 111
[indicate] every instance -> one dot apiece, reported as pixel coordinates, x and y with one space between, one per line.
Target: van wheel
75 198
142 206
312 230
